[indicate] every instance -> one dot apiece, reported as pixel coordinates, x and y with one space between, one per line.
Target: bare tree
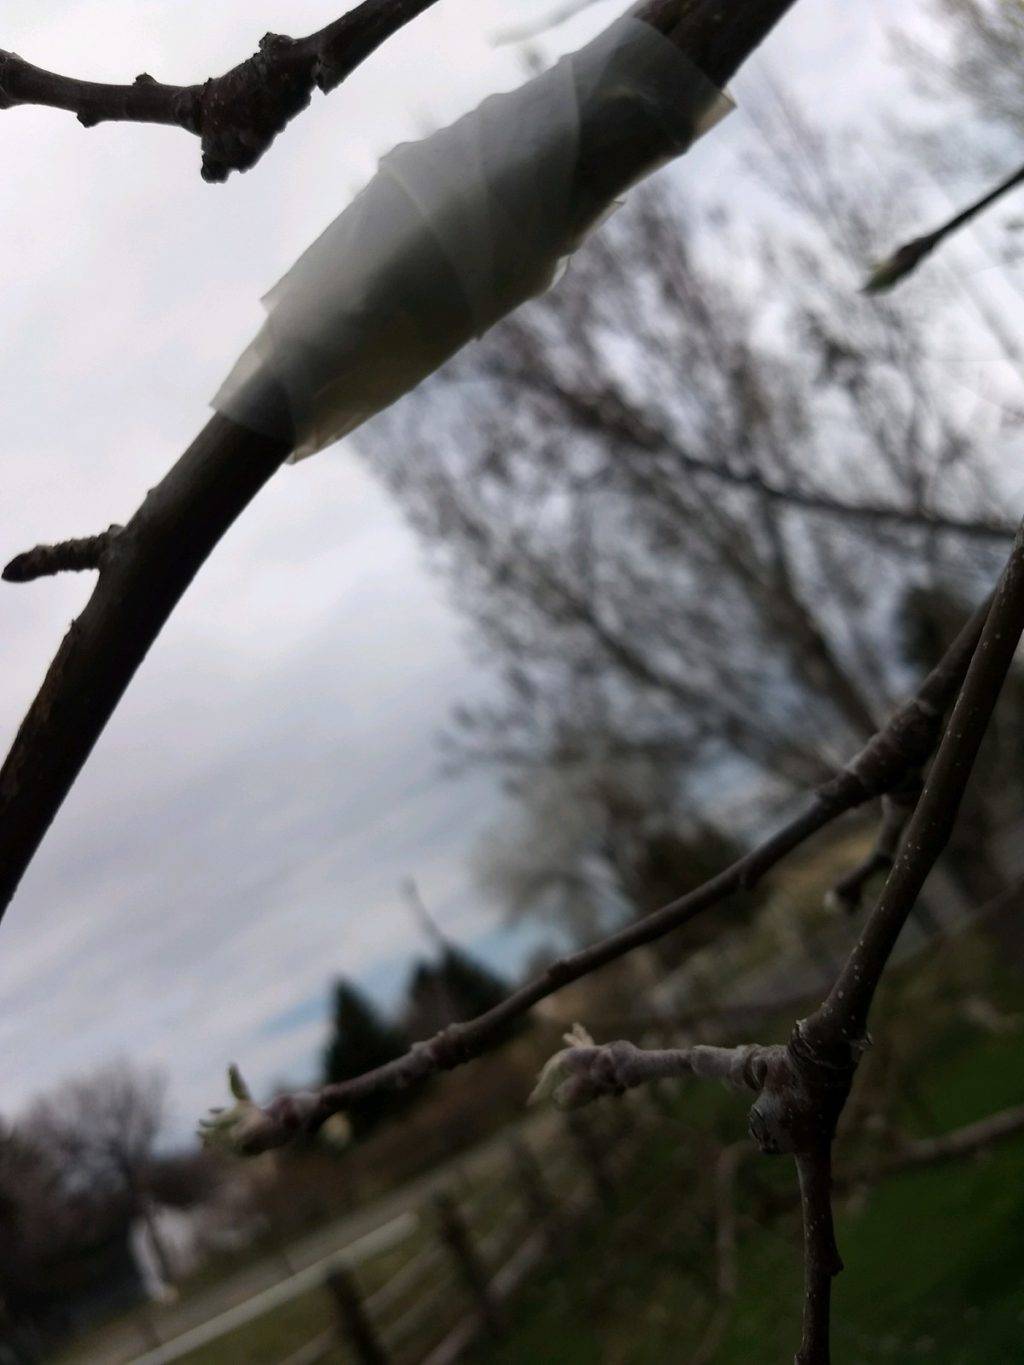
103 1129
691 540
38 1226
594 841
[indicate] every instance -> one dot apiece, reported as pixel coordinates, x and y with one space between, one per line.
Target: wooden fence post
457 1236
353 1318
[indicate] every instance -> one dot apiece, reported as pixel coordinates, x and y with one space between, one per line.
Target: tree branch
822 1262
583 1072
237 115
607 412
157 555
183 518
804 1085
954 1146
843 1017
904 743
824 1049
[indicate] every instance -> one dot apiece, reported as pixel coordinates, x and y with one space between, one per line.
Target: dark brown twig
70 556
843 1016
905 260
897 808
237 115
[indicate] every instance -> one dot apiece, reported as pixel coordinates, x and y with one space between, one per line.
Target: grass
272 1338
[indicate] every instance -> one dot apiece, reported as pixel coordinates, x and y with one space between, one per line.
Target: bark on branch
803 1087
237 115
897 808
70 556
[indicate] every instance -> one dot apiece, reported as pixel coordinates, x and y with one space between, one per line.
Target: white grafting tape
456 231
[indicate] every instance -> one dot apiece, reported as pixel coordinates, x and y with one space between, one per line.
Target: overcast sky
241 829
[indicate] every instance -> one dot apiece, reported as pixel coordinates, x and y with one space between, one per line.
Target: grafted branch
832 1037
183 518
804 1085
583 1072
237 115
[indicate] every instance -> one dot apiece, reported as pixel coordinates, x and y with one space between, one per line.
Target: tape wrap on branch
457 230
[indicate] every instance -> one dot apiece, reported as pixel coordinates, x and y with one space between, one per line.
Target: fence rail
452 1262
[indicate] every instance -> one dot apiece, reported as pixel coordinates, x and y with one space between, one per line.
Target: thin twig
905 260
522 33
584 1072
70 556
897 808
598 413
955 1146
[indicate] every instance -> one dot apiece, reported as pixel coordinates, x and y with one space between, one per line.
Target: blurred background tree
688 508
101 1132
361 1040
